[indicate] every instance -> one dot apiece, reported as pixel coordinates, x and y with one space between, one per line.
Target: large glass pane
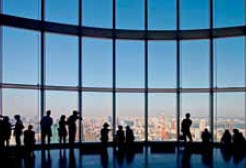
197 104
26 104
20 56
130 14
228 13
130 111
95 116
97 62
97 13
27 8
162 120
229 62
130 64
62 11
195 64
162 14
61 60
229 113
194 14
61 103
162 64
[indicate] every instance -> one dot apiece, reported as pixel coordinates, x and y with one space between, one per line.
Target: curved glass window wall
125 62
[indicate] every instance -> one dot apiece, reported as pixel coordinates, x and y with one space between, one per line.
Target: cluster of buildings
160 128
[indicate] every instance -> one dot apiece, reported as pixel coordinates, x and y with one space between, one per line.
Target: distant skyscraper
202 124
173 124
163 127
110 120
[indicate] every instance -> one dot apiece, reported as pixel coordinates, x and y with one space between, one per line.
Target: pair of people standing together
47 122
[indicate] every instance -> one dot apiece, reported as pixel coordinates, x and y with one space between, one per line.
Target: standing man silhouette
120 137
46 123
72 126
104 135
18 129
129 136
185 127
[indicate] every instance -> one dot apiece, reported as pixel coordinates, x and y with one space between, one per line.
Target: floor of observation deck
67 158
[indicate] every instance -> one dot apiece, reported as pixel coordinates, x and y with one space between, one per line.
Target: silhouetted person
226 143
238 140
62 130
129 138
29 140
6 130
18 130
207 147
72 126
46 123
238 146
185 127
120 137
104 136
206 137
226 139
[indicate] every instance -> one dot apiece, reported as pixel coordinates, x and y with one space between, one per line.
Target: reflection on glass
130 14
229 113
162 64
162 121
197 104
97 13
130 64
195 64
26 104
130 111
21 60
61 60
97 62
61 103
95 115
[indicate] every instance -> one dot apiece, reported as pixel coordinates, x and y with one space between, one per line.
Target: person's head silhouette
48 112
17 116
75 113
105 125
187 115
120 127
63 117
30 127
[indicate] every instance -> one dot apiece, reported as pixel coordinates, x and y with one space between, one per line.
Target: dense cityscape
160 128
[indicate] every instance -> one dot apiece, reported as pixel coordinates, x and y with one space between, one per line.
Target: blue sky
21 62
